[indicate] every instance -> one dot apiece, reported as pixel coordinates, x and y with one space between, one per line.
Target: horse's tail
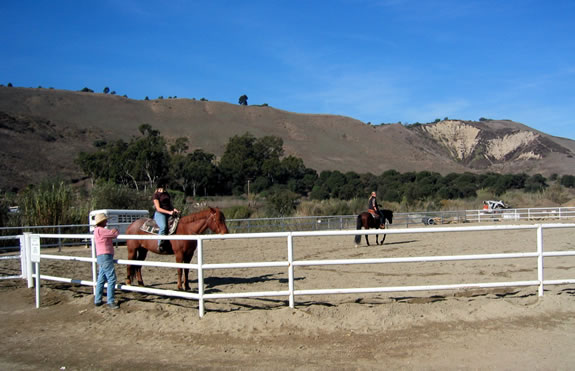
358 226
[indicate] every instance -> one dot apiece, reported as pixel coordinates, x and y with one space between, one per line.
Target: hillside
43 130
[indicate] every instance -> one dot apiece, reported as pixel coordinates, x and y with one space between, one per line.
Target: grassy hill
43 130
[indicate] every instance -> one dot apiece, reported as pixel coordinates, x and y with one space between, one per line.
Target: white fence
13 257
540 213
291 292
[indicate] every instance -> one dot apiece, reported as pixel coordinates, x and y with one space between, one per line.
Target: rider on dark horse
374 209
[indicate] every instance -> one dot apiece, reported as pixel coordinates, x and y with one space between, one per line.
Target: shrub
281 202
238 212
108 195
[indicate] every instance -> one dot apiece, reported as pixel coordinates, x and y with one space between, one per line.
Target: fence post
23 257
35 247
200 277
59 239
28 262
540 258
290 271
94 274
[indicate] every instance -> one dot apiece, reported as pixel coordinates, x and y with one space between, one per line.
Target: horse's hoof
128 282
140 283
356 246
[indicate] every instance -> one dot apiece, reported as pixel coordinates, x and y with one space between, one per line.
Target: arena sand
511 328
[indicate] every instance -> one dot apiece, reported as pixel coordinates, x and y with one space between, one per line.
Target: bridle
212 219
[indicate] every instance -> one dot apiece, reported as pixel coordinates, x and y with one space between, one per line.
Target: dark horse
195 223
367 221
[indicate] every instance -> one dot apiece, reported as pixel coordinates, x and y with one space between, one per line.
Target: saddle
150 225
376 217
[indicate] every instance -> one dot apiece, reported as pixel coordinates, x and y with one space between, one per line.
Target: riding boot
165 247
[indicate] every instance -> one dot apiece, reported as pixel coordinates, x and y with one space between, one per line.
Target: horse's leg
142 252
383 239
131 256
188 255
358 226
366 240
179 259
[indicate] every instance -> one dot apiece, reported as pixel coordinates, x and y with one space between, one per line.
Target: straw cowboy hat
99 218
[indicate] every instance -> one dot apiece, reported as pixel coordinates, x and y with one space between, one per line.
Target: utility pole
249 203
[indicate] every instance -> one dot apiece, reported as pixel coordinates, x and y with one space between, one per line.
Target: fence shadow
211 283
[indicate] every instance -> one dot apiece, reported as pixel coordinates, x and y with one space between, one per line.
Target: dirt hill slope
43 130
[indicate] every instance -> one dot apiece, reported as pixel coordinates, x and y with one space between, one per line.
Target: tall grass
51 204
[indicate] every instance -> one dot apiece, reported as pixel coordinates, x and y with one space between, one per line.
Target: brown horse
367 221
195 223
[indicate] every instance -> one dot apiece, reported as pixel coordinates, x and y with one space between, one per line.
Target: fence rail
342 222
291 292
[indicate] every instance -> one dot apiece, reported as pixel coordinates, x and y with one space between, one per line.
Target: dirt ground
511 328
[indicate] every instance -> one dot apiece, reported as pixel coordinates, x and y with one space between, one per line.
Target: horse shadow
401 242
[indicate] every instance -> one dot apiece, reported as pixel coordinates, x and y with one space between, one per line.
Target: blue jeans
162 221
106 273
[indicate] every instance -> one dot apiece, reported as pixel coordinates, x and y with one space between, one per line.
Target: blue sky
373 60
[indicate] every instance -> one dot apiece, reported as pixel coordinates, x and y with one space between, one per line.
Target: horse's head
388 214
217 221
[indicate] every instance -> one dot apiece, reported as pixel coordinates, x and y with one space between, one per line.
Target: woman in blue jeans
164 208
103 239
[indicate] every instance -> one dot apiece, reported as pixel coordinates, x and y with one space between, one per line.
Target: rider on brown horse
164 209
374 209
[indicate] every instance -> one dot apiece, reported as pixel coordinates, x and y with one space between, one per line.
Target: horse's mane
196 216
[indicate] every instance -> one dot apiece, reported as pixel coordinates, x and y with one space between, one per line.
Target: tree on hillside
246 157
179 146
147 130
194 172
243 100
568 181
106 90
535 183
142 160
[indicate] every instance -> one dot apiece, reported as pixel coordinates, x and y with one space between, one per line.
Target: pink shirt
103 239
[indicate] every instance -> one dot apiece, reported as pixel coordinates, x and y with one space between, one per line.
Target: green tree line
260 164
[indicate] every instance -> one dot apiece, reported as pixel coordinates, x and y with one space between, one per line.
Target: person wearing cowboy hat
103 240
